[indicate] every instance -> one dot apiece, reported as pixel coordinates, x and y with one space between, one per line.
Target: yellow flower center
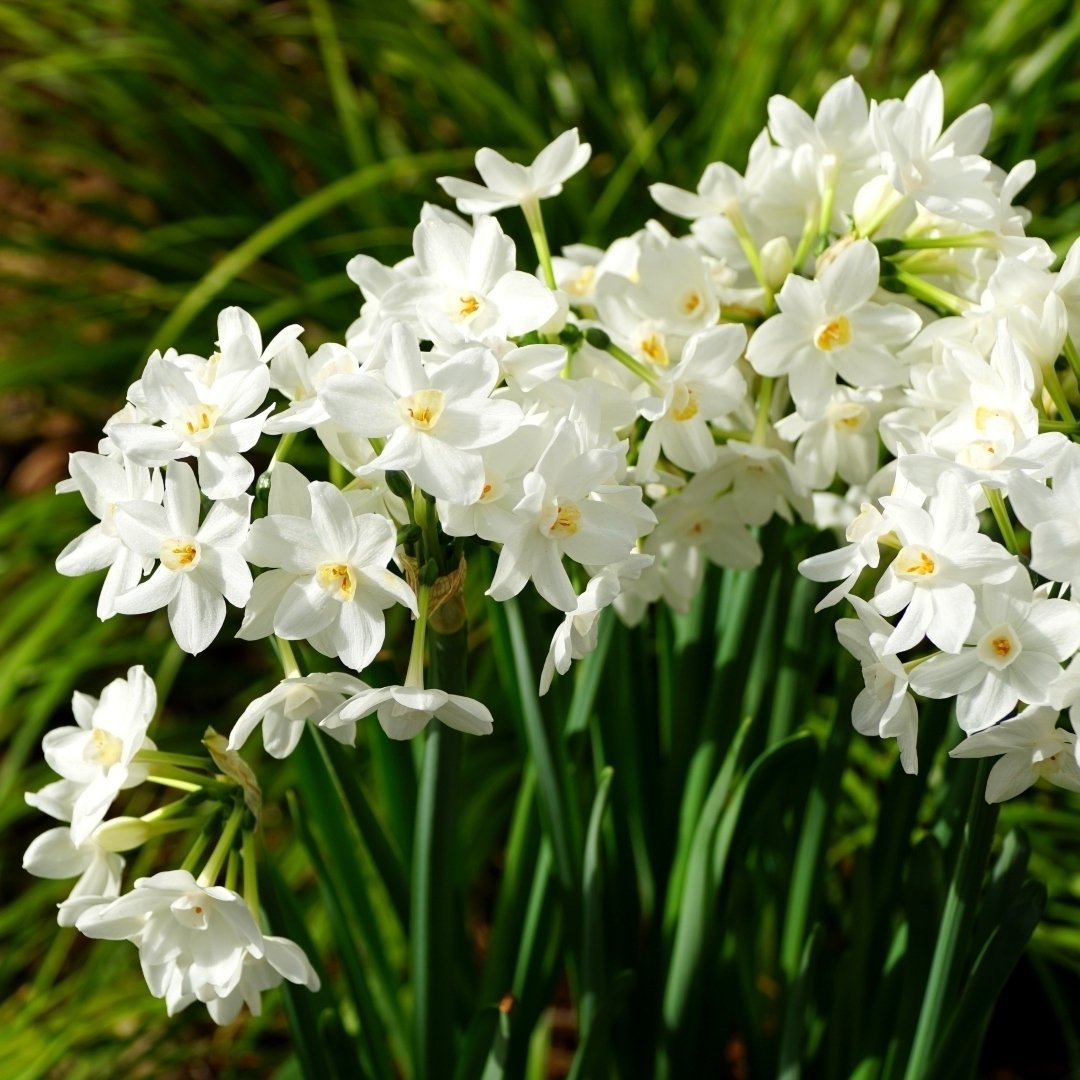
337 579
915 563
836 332
567 516
691 302
652 345
104 748
422 409
199 420
180 554
684 404
582 283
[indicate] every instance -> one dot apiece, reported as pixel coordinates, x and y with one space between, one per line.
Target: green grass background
161 160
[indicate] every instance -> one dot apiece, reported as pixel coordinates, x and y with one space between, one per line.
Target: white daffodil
1014 653
831 327
1050 514
404 711
295 702
96 758
884 707
1031 746
942 556
200 566
703 386
281 959
203 414
334 583
576 636
509 184
466 289
434 420
54 854
193 940
570 506
104 483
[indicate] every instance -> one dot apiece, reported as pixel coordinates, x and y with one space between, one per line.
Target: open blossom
509 184
435 419
404 711
54 854
104 484
334 583
200 566
285 711
931 578
205 414
1014 652
195 943
1031 746
831 327
96 758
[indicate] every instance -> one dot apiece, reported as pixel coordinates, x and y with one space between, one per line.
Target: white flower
942 556
200 565
285 711
54 854
104 483
508 184
281 959
334 584
1015 648
209 420
435 421
704 385
96 758
195 943
831 327
570 506
884 707
1050 514
577 634
404 711
1031 745
863 534
466 289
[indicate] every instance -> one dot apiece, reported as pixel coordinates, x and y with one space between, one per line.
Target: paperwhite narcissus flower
884 707
286 710
1015 648
200 565
335 583
466 289
577 634
831 327
942 556
434 420
509 184
570 506
104 483
209 420
54 854
1031 746
703 386
194 942
404 711
95 759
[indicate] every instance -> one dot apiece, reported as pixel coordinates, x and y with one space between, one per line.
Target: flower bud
777 261
122 833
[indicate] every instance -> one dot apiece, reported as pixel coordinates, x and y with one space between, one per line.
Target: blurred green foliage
161 160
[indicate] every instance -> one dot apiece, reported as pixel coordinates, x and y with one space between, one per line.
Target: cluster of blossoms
611 425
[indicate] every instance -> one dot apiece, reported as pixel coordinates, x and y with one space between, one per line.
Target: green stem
959 240
1057 394
251 873
287 657
1073 357
805 241
753 257
433 927
1001 516
535 219
950 952
932 294
224 845
764 403
202 842
183 780
182 761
